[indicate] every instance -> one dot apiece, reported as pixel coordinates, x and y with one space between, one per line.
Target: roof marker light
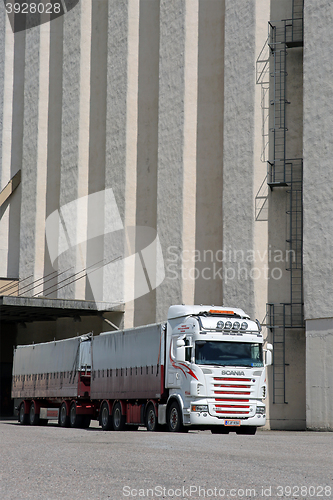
218 311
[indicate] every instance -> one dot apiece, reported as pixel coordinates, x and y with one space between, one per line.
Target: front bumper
204 418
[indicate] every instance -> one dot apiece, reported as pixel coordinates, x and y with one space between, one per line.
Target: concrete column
3 20
16 153
317 204
238 154
29 204
6 81
131 195
260 234
85 140
43 111
70 144
170 151
190 147
54 142
121 145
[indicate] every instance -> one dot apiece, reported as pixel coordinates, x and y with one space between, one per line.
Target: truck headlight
199 408
261 410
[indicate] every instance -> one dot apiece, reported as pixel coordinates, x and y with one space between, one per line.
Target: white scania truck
204 368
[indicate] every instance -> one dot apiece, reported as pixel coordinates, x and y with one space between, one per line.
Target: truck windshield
228 353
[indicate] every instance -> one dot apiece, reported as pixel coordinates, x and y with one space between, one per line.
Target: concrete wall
318 225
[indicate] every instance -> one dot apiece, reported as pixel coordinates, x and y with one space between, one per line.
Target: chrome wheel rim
73 415
151 419
105 416
117 417
63 414
173 418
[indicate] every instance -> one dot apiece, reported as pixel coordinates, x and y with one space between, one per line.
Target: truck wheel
174 418
151 418
23 418
63 419
106 420
118 420
75 420
33 417
247 430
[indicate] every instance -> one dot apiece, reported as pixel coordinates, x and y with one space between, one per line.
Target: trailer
204 368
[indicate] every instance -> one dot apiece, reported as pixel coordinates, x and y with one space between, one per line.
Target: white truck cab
215 368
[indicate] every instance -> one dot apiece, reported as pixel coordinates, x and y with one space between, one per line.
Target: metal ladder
284 172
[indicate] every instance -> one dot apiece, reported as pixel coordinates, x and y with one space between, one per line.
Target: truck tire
151 418
247 430
75 420
33 417
118 419
63 419
106 419
23 418
174 418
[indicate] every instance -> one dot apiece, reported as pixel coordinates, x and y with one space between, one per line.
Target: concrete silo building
199 129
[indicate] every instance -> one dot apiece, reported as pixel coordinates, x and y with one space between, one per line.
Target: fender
178 399
153 402
26 406
122 404
109 405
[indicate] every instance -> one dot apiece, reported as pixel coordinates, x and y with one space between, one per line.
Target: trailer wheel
106 419
63 419
118 419
151 418
174 418
247 430
33 417
23 418
75 420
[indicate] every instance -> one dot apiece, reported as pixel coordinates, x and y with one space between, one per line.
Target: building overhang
28 309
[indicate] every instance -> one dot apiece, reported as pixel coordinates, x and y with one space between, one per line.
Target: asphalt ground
52 463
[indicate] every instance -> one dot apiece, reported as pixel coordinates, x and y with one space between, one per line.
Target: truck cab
215 369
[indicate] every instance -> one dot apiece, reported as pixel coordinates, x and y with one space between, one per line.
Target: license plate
230 423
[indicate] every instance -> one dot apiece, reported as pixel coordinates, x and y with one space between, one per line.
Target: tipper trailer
203 368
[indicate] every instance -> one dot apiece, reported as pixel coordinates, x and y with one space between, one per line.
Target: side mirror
269 347
268 358
180 350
